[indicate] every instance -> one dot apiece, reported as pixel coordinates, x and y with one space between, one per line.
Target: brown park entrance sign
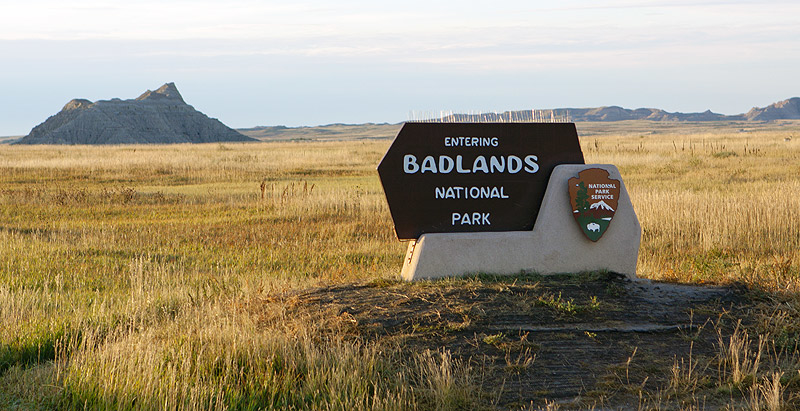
471 177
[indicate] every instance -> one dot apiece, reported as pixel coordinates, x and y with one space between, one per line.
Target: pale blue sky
252 63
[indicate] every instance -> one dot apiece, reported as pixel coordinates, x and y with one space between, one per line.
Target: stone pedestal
555 245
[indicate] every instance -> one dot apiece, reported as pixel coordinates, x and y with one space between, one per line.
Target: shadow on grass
32 349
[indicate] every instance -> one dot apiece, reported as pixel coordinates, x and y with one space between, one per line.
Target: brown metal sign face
470 177
594 197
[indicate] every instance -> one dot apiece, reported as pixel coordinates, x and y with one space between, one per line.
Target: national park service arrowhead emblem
594 197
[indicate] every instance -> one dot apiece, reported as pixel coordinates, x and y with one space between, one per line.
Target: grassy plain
330 132
137 276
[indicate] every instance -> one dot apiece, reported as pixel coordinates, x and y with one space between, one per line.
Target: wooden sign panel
471 177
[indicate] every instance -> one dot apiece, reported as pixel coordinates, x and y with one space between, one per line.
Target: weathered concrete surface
555 245
157 117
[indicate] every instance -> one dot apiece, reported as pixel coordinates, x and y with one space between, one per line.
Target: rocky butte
155 117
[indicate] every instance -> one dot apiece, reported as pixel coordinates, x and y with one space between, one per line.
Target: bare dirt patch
590 339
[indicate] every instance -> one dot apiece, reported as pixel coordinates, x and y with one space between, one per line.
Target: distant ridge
155 117
782 110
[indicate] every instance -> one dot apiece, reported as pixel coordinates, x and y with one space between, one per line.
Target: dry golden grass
713 207
125 271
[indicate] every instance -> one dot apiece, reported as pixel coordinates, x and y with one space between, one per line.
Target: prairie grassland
713 207
128 274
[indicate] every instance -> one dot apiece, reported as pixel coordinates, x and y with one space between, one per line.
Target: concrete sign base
555 245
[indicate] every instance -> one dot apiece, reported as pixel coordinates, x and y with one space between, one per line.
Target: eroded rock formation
155 117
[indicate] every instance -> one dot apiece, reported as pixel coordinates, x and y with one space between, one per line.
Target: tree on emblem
582 199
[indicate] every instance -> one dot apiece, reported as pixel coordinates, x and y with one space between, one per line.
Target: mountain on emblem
594 197
600 205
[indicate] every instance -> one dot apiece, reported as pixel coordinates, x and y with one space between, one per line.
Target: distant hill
161 117
9 139
155 117
783 110
642 120
615 113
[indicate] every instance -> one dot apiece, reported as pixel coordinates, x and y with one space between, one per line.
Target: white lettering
457 193
476 218
428 164
530 162
463 141
514 164
497 164
474 192
459 168
410 165
470 219
480 165
445 164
